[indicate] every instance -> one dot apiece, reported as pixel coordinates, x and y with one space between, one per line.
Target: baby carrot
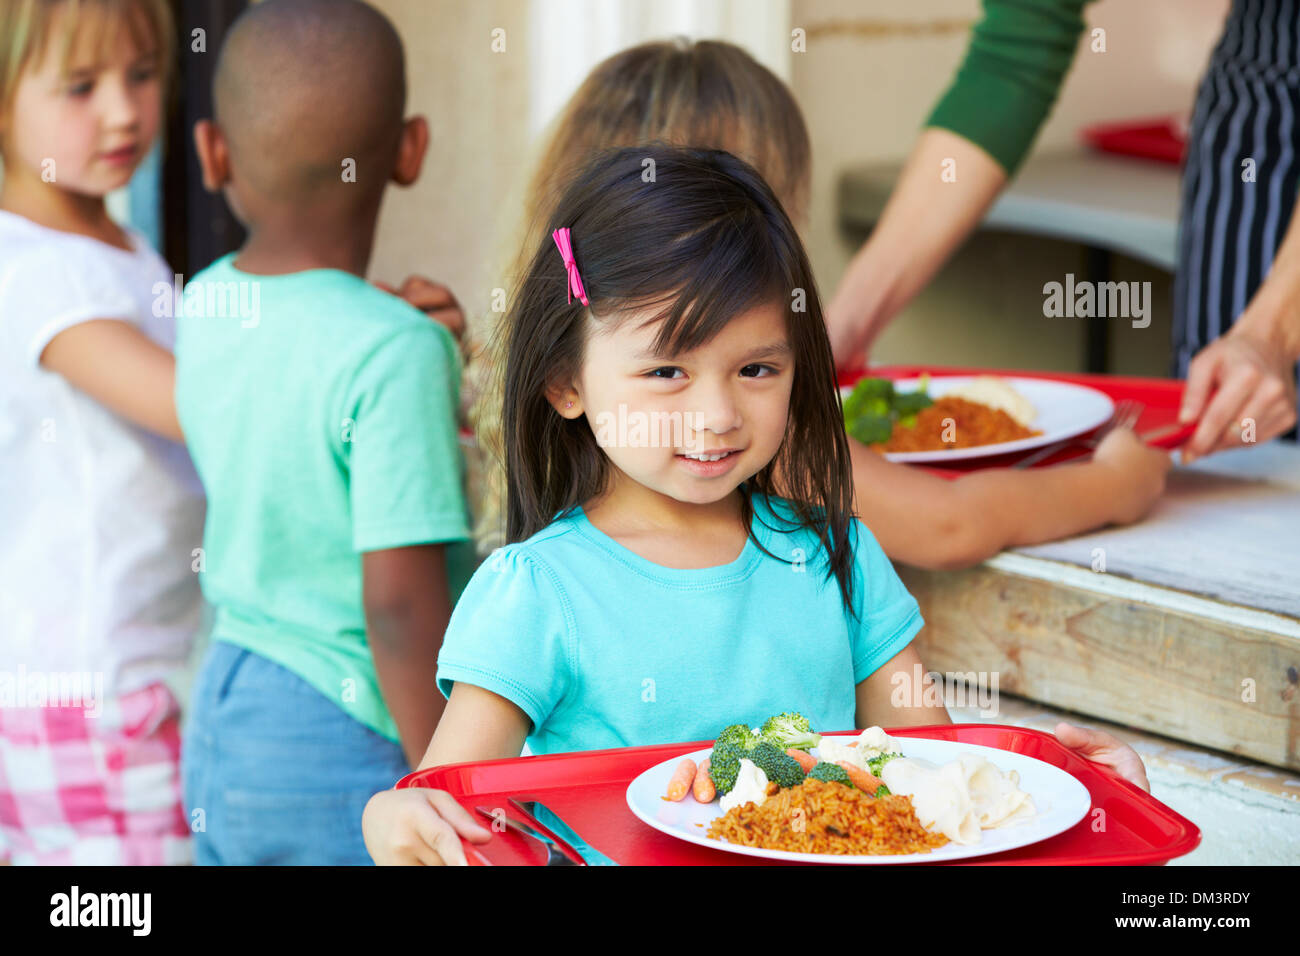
806 760
705 790
861 779
682 778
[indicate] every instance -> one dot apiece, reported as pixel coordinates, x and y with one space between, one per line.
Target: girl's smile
123 156
710 465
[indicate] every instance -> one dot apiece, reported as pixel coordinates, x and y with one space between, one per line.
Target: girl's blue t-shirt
602 648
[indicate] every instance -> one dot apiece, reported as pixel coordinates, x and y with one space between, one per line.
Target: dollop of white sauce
751 786
872 742
831 750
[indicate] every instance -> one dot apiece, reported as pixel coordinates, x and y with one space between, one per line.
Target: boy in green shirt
321 415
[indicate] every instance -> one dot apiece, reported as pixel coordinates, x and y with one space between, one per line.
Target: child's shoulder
51 280
550 548
336 306
538 568
779 517
324 293
29 248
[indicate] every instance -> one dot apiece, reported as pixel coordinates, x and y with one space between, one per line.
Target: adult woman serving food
1236 323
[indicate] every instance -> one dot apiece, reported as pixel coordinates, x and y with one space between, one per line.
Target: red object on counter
589 790
1160 139
1160 398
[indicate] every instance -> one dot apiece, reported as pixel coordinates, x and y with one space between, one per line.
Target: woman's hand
1249 371
418 827
432 298
1103 748
1251 380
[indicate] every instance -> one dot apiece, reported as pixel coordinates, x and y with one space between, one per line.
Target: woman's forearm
946 186
1274 313
978 133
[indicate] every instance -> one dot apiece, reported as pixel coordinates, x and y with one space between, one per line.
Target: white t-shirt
99 519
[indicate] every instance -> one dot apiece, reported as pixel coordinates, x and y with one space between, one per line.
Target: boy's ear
410 151
214 157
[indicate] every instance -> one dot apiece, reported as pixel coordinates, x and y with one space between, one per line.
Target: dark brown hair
699 234
708 94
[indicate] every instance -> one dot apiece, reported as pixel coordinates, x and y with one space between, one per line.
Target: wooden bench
1191 631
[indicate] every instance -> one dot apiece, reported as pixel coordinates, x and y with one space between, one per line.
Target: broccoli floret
738 735
874 406
871 429
875 763
907 404
868 415
830 773
789 730
871 396
777 764
724 764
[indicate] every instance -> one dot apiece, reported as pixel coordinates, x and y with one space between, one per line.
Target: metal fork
1126 415
554 857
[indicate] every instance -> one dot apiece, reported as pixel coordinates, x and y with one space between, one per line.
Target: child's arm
407 605
930 522
890 698
422 826
121 368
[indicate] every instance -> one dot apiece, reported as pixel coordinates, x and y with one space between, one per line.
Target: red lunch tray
1160 399
588 790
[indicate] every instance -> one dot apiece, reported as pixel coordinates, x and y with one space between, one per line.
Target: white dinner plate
1060 799
1064 410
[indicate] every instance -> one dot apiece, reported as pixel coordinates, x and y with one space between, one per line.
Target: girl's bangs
91 28
720 275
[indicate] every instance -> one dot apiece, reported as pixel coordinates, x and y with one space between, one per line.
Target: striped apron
1230 228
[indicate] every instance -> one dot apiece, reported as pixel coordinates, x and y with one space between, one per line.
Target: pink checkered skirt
84 790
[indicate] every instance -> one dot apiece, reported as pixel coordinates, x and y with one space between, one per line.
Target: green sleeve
1018 56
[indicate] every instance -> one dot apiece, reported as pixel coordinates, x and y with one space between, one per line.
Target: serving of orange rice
825 817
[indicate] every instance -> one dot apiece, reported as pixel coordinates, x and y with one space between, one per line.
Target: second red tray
1160 398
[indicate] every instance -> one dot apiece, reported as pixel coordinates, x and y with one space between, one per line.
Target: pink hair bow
565 245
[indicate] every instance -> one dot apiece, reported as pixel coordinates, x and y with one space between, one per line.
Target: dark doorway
197 225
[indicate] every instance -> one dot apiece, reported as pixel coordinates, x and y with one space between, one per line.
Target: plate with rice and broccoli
785 792
933 420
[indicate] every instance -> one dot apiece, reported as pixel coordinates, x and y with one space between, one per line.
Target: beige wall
872 70
476 101
488 109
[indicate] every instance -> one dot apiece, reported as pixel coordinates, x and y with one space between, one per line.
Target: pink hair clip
565 245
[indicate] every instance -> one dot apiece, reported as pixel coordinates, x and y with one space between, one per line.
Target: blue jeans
280 772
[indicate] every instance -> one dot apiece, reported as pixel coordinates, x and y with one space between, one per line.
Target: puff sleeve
512 632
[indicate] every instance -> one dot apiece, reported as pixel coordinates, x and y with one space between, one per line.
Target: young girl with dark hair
666 359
